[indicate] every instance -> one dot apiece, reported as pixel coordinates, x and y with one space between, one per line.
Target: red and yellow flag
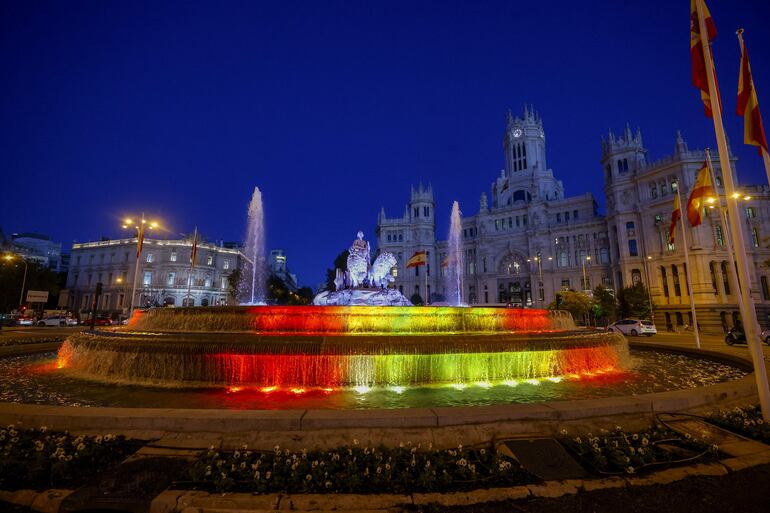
702 189
418 259
699 69
748 106
675 215
140 241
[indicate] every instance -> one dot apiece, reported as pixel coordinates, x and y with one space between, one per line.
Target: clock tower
526 175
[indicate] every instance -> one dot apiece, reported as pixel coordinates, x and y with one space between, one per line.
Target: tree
576 303
416 299
634 302
234 283
39 277
605 306
277 291
341 262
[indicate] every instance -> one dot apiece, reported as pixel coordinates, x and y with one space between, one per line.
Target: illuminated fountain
254 287
341 346
455 259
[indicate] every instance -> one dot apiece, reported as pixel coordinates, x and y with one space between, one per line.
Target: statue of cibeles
358 260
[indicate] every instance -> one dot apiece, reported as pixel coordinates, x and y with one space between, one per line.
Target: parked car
25 321
633 327
7 320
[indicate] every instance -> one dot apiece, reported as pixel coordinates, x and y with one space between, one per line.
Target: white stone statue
381 269
358 261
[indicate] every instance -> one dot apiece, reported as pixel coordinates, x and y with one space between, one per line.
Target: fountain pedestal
361 297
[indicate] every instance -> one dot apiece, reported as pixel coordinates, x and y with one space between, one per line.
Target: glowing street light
140 227
9 257
585 280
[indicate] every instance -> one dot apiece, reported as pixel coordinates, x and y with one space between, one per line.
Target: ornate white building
533 240
164 274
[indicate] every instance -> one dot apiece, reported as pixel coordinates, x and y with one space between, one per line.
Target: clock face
517 132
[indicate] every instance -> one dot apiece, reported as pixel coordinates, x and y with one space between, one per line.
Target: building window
224 282
558 218
653 190
209 260
755 236
725 277
150 258
604 255
750 213
120 300
563 259
207 282
712 270
632 249
675 279
630 229
416 211
720 236
765 289
663 189
226 264
426 211
574 214
664 281
171 279
173 256
147 280
565 284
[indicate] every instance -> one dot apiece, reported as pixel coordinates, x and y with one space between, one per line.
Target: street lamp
587 258
649 294
140 227
9 258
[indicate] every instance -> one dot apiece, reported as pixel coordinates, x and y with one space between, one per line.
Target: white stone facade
164 272
533 240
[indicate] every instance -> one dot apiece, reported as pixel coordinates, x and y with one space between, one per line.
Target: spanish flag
699 69
675 215
140 240
505 186
418 259
700 191
748 106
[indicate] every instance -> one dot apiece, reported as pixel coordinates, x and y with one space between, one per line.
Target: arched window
563 259
720 236
620 166
679 319
169 301
625 164
519 195
205 301
604 255
188 301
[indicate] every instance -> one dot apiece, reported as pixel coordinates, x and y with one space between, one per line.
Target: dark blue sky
332 108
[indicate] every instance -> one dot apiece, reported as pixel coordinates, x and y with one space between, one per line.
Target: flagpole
688 270
192 264
765 156
427 265
728 236
751 326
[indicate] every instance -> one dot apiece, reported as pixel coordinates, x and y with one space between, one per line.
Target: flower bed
11 340
745 420
41 459
617 452
355 469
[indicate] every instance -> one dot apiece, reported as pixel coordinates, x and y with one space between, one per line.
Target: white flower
98 439
355 441
276 449
630 469
387 466
257 474
462 462
236 455
308 477
268 474
564 432
328 484
81 447
379 470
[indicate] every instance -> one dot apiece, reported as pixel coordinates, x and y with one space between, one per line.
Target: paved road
49 331
708 342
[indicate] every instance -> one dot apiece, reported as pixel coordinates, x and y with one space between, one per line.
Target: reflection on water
36 379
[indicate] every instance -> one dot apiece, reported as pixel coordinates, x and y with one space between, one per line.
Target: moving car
99 321
738 336
25 321
57 320
633 327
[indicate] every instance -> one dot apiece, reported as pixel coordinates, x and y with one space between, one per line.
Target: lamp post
9 257
587 258
647 281
140 227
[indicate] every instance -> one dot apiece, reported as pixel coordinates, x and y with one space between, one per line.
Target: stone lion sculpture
381 269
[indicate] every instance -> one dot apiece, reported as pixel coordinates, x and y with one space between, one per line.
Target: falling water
455 259
253 291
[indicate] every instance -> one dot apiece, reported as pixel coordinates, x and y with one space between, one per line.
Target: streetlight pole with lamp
9 258
140 228
586 258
